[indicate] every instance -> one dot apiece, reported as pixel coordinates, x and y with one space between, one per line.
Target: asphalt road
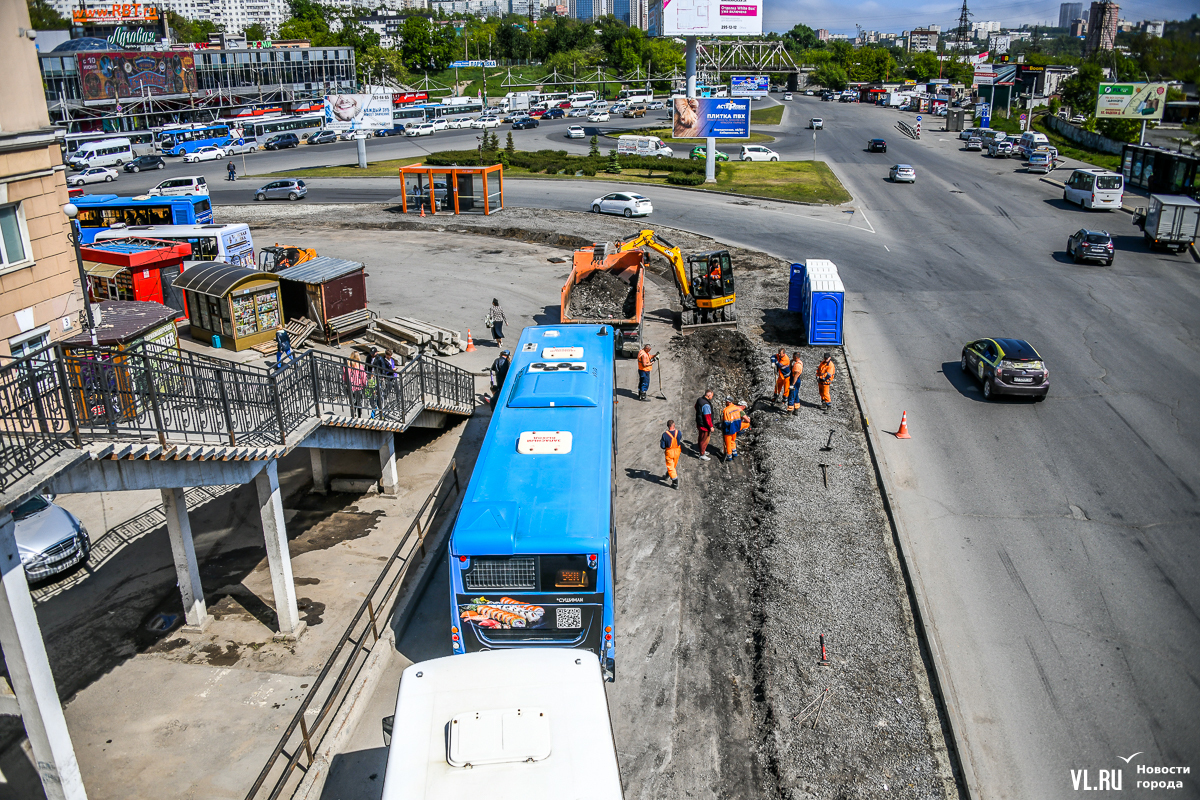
1055 543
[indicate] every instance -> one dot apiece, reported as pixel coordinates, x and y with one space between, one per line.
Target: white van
231 242
1030 141
528 723
1094 188
989 135
189 184
582 100
631 145
105 153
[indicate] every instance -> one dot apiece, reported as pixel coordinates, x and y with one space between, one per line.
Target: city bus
551 99
141 142
635 96
533 548
454 107
99 212
176 140
264 128
231 242
582 99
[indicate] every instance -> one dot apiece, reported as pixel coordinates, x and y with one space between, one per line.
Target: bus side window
89 218
158 215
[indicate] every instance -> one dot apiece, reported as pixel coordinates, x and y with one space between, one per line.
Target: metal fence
294 753
54 400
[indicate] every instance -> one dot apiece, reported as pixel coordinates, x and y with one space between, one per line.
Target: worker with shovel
783 375
793 398
645 363
671 448
825 380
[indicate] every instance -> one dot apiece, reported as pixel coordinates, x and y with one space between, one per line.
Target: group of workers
789 375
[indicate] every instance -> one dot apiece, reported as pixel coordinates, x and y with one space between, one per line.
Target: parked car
903 173
421 129
288 188
876 146
1086 245
524 123
966 133
1000 149
788 95
635 113
809 93
701 152
816 123
1006 366
206 153
323 137
577 112
144 162
624 203
50 539
241 146
93 175
598 116
486 122
282 140
974 143
1039 162
440 124
756 152
553 113
565 104
188 184
656 105
459 122
396 131
575 132
1078 119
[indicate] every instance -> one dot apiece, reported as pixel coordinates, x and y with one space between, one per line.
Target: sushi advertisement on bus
720 117
107 76
358 112
573 620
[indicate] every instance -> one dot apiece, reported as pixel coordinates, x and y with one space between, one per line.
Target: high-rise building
1068 13
822 34
923 41
1102 27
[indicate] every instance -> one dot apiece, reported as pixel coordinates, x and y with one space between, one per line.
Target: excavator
282 256
704 281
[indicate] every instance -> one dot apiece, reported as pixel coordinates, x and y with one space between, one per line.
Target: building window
14 241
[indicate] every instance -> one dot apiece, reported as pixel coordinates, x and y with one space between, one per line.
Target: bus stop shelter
457 189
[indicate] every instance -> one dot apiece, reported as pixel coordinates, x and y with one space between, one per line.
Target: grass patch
766 116
665 135
377 169
804 181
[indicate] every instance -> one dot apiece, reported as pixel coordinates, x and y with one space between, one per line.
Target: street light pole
72 211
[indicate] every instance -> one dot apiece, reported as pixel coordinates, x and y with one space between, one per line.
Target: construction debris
603 295
410 337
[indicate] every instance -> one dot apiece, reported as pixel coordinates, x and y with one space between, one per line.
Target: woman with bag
356 380
495 320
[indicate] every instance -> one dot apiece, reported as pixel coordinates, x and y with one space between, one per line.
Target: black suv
145 162
1085 245
876 146
281 140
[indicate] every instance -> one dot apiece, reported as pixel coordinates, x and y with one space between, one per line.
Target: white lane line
864 216
885 247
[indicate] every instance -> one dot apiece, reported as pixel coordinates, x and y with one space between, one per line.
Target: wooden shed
331 292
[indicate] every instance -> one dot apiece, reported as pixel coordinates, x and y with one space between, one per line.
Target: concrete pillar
179 528
32 680
279 560
320 470
389 479
690 66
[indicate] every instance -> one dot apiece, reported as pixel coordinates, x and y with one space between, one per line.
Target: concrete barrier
1092 141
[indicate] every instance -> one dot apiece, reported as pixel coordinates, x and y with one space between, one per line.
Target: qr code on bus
569 618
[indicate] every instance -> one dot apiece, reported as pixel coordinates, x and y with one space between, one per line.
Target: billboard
1131 100
116 14
720 117
748 86
985 74
469 64
107 76
358 112
704 18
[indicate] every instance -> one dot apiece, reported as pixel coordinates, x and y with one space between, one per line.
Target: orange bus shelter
461 189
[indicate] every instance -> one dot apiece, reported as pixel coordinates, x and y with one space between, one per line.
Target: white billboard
985 74
358 112
748 86
705 18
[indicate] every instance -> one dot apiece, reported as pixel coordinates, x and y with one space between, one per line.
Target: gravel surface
602 295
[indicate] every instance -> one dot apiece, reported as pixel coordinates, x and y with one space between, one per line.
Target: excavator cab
280 257
711 277
704 280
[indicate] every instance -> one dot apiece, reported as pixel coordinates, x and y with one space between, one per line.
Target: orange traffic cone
422 209
903 432
470 342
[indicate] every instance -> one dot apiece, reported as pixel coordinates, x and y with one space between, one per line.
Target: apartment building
923 40
1102 27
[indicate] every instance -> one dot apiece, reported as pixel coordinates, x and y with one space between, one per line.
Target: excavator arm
712 301
668 251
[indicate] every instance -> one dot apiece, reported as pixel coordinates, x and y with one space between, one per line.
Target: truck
633 145
629 269
514 101
1170 223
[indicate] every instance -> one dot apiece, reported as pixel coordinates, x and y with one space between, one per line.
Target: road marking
869 225
213 681
885 247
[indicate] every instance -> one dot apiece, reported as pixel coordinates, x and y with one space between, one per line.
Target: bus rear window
202 206
567 572
1108 182
552 573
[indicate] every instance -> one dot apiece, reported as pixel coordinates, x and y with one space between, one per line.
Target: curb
367 680
944 687
702 191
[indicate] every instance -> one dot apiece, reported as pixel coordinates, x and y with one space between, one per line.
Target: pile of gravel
602 295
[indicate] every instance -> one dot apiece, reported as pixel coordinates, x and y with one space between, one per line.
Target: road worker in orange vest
825 379
733 423
793 398
670 446
783 375
644 365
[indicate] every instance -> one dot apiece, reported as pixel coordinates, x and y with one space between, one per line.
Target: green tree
417 46
614 163
1120 130
43 17
831 76
509 147
256 32
924 66
803 37
1079 91
594 149
188 30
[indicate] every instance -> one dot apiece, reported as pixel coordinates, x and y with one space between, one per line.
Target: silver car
903 173
288 189
50 539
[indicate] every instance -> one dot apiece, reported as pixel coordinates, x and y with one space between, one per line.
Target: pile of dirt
602 295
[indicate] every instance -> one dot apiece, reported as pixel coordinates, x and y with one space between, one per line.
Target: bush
614 163
589 171
682 179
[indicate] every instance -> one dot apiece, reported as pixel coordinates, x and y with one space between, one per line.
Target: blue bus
99 212
533 549
176 140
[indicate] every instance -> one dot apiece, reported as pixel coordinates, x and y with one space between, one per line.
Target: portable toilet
796 289
824 309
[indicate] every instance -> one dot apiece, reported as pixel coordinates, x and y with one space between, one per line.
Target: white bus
231 243
519 724
102 153
632 96
582 99
1094 188
265 127
141 142
550 99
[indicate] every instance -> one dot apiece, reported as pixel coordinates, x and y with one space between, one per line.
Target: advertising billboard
985 74
749 86
1131 100
720 117
358 112
116 14
107 76
704 18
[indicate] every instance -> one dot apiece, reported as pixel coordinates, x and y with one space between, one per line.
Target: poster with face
355 112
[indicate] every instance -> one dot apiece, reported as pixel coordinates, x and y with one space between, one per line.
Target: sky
897 15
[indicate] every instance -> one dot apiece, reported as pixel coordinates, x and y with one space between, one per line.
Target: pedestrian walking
356 382
670 445
733 424
499 371
232 168
825 380
793 400
383 366
495 320
783 375
283 348
645 363
704 423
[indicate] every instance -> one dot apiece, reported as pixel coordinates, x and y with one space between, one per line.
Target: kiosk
240 306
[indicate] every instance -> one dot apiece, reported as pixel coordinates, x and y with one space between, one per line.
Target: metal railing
54 400
295 752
